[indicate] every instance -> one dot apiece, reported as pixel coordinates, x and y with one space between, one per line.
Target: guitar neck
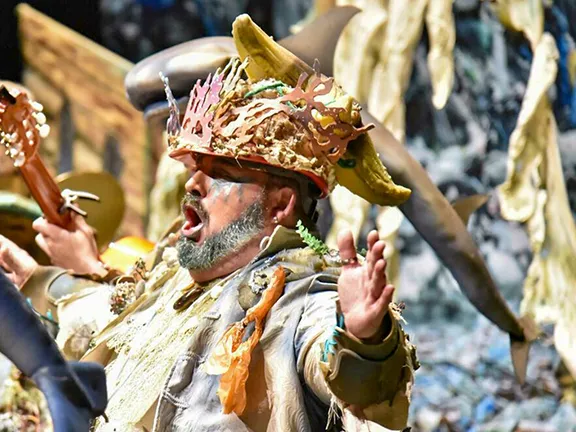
45 191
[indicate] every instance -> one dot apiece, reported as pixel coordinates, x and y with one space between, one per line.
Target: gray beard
227 242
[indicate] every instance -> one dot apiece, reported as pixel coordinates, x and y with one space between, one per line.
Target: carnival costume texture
264 346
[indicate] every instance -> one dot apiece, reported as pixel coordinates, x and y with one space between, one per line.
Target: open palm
362 288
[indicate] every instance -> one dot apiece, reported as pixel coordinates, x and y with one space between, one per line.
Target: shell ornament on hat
269 107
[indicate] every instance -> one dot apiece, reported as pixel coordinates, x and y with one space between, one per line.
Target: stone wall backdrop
93 126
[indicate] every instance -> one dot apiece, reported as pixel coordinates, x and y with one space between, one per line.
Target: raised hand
74 250
17 263
363 290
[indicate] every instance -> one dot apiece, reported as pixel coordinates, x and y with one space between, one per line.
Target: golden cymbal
18 211
12 181
105 216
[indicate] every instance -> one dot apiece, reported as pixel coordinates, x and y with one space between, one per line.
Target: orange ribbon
231 357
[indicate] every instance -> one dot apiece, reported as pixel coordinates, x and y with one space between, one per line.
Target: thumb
11 261
385 298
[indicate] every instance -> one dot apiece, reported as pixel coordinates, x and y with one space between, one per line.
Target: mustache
193 201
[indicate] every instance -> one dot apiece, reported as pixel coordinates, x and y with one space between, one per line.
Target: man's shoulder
302 264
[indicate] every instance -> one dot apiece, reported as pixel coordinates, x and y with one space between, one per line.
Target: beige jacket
306 373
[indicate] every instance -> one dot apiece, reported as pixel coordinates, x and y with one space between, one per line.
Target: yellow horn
360 170
267 58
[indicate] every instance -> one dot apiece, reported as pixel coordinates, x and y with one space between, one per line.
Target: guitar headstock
22 124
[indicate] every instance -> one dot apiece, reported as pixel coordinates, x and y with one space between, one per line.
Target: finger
386 297
378 279
42 226
42 243
371 257
6 242
373 237
388 293
8 251
347 248
10 261
374 255
86 228
81 223
3 252
39 224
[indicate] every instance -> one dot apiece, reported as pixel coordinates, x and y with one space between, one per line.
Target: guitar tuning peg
44 130
30 135
20 159
40 118
37 106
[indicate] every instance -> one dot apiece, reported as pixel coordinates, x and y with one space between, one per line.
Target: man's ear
283 201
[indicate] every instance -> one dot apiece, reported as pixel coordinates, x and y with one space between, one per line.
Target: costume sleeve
46 285
79 305
340 369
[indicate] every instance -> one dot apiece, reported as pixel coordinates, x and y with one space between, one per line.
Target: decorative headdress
273 109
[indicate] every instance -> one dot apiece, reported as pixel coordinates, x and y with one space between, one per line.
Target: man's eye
227 177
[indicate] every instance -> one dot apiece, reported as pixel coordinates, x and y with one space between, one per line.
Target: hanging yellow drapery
534 192
373 62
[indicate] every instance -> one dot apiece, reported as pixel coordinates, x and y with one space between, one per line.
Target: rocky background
465 382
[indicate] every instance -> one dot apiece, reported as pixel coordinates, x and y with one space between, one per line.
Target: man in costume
250 322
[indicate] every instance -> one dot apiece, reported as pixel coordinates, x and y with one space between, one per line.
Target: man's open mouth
194 223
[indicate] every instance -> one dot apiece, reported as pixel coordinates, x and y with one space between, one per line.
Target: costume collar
282 238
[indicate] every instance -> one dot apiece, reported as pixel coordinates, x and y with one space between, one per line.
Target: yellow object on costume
123 253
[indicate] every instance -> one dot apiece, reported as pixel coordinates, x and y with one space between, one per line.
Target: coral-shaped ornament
196 128
173 126
329 140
